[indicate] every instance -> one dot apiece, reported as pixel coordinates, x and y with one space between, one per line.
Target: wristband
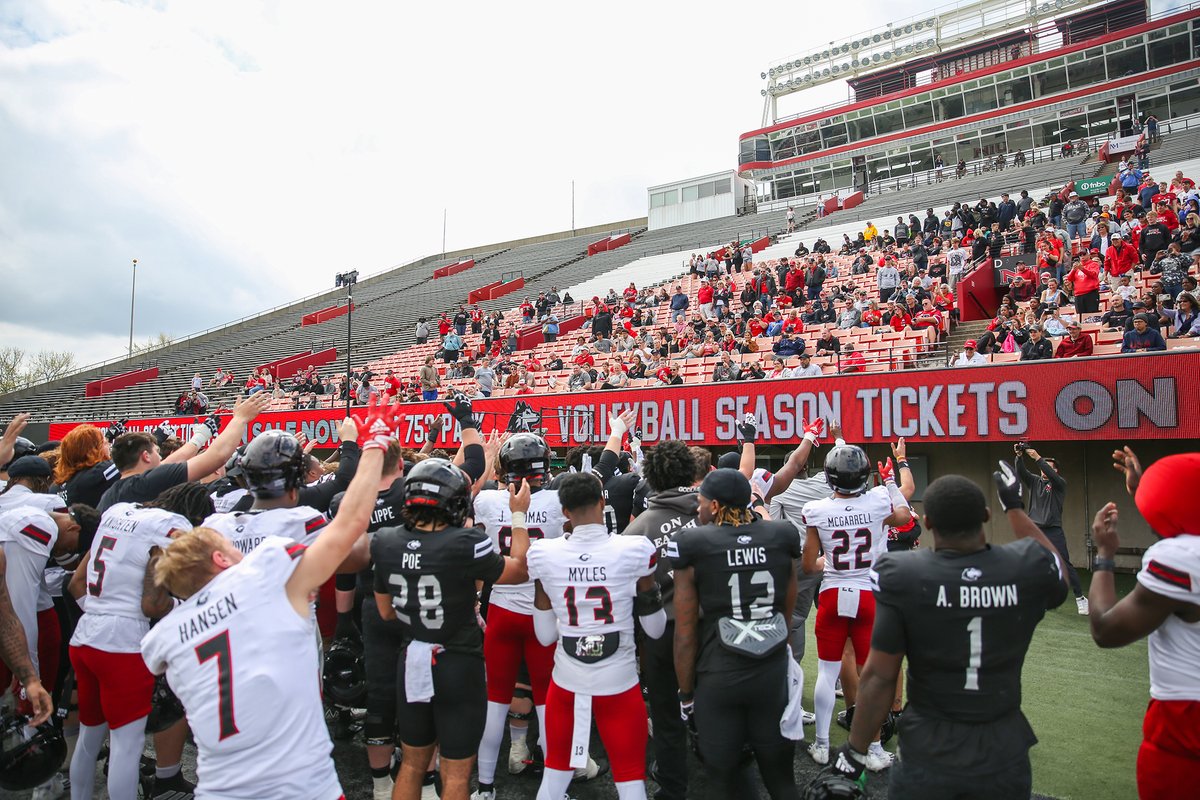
840 442
809 436
618 426
903 464
518 519
1103 564
686 697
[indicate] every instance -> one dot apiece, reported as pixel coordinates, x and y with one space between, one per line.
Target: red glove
886 472
812 432
378 428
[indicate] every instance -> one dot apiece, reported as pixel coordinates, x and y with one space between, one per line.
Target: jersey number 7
218 648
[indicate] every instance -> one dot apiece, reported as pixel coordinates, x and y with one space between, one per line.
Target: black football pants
670 736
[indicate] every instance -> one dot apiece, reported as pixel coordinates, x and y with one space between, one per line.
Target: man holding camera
1047 491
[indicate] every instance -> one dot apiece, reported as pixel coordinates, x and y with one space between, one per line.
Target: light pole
132 295
348 279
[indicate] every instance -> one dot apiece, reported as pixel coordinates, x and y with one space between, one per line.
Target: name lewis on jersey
206 617
746 557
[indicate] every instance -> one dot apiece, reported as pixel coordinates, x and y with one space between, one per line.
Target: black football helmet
27 761
525 455
848 470
832 785
345 674
272 464
436 483
21 447
165 707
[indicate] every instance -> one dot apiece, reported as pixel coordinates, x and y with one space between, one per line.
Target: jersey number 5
862 552
106 543
218 648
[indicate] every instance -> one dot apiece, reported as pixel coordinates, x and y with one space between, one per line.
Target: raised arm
9 441
1051 475
222 447
797 461
347 531
474 461
1008 489
516 570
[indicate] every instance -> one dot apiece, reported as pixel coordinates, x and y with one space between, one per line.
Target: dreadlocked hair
730 515
417 517
189 500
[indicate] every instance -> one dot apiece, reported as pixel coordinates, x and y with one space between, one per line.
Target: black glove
163 432
747 430
115 430
213 423
346 628
1008 487
850 763
459 407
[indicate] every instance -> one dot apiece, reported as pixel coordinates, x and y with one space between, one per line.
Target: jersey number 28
427 591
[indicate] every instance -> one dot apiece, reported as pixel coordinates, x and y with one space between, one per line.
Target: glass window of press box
1090 67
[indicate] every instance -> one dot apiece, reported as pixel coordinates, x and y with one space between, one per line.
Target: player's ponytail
187 565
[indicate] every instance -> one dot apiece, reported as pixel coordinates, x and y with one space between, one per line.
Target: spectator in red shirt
1085 283
532 364
630 294
704 296
393 384
851 360
1121 256
585 360
1075 344
443 325
1180 183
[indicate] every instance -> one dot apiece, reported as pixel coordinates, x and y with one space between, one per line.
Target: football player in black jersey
964 613
425 574
732 664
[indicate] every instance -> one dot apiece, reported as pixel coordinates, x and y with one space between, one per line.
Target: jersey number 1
974 654
218 648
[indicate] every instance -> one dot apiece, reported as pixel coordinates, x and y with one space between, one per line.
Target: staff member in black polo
1047 491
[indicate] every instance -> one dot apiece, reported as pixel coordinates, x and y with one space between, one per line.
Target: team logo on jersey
743 539
972 574
413 544
202 598
585 556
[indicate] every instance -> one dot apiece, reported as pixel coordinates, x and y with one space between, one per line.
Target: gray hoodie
666 513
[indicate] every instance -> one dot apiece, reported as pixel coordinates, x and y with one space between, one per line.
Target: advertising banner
1148 396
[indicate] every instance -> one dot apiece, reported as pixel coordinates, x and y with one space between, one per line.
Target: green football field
1085 705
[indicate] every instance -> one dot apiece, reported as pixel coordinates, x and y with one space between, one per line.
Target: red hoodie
1086 277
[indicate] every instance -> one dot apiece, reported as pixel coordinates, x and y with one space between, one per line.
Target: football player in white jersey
850 528
1165 606
274 467
509 637
588 586
241 653
113 685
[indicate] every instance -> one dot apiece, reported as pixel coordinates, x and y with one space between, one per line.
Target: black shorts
454 718
913 779
381 657
735 709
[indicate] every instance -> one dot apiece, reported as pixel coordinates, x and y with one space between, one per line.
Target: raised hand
886 473
747 429
378 427
1124 460
1104 531
1008 487
518 501
812 431
900 450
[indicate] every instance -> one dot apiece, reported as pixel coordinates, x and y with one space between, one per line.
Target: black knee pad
522 693
379 730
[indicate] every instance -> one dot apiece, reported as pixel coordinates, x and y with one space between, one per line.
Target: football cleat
490 794
819 753
518 757
878 759
808 717
846 718
588 772
54 789
176 787
429 788
1081 603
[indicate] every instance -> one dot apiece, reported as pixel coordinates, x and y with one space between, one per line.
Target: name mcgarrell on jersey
207 616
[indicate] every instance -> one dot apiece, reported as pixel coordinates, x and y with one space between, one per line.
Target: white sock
125 759
83 761
163 773
824 698
631 790
554 783
489 745
541 715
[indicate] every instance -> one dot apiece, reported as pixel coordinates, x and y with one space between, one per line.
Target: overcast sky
244 152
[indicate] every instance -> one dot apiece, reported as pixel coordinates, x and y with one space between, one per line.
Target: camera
1021 446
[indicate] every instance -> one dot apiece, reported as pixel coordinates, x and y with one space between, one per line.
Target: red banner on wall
1151 396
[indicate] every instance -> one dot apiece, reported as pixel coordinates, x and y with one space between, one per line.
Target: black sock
380 772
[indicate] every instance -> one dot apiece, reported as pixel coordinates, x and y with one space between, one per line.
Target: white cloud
246 151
